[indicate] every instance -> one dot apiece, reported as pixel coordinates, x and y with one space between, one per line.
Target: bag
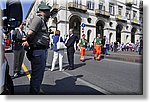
60 45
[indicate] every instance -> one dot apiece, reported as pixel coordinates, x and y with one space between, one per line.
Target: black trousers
70 56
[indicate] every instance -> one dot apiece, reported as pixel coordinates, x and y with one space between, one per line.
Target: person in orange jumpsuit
98 47
82 46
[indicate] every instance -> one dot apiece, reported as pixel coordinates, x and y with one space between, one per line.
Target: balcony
102 13
55 9
77 7
135 21
121 18
129 2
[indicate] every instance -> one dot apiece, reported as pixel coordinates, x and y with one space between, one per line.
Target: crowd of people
137 47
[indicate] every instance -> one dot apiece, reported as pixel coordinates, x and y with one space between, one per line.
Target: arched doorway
119 28
75 24
133 34
100 28
88 35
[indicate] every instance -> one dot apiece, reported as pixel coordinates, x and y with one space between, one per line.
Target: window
101 6
88 35
134 14
111 9
128 13
54 2
77 1
119 10
90 5
89 20
110 24
127 27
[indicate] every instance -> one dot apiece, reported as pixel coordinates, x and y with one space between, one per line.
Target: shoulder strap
59 38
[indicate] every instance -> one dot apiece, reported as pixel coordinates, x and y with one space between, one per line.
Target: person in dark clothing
141 46
70 42
103 45
18 37
38 40
115 46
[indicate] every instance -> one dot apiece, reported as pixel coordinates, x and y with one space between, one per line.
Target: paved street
91 77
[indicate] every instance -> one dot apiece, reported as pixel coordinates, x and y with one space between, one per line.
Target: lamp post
66 20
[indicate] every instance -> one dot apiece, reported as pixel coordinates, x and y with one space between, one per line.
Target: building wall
63 16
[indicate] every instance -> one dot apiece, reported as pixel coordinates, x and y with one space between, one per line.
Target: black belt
39 47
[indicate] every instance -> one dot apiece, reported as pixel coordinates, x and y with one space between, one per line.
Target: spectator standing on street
115 46
107 46
141 46
137 45
103 45
18 37
98 47
112 46
38 40
122 47
82 46
57 52
70 42
127 47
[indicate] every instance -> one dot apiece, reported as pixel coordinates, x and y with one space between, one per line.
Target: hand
25 44
24 39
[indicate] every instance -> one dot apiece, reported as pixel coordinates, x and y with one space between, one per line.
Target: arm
78 44
34 27
26 43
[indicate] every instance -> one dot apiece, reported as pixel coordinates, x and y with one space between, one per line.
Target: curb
128 58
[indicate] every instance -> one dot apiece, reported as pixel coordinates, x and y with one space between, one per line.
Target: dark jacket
17 39
141 43
70 43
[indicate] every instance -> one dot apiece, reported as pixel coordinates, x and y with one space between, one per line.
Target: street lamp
66 20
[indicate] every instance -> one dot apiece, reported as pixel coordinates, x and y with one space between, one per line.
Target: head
57 33
44 10
70 31
98 35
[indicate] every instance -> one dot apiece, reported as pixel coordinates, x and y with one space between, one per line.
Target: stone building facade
120 20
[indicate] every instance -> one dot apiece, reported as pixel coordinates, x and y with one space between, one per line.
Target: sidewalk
123 56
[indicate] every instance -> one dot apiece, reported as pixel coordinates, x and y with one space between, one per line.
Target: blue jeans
38 63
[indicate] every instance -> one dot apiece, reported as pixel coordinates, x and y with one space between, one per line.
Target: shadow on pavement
79 65
65 86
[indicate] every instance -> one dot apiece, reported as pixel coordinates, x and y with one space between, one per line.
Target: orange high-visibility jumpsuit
82 53
98 49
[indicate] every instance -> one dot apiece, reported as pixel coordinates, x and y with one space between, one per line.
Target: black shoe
70 68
